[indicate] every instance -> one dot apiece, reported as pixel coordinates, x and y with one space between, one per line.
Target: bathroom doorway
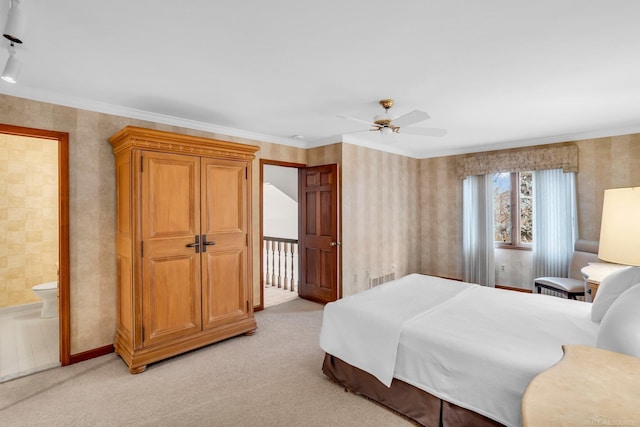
34 218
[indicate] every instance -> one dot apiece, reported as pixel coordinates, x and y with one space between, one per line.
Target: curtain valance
556 156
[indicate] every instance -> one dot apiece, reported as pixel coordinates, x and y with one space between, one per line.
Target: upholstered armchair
585 251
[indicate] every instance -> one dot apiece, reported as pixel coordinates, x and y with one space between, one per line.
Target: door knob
195 244
205 243
335 244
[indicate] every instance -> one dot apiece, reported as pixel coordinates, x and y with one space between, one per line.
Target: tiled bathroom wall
28 217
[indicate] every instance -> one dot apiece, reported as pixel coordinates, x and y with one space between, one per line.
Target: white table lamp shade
620 228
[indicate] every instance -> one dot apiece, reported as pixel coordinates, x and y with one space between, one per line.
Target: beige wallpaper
602 163
440 218
325 155
92 205
28 217
395 210
380 211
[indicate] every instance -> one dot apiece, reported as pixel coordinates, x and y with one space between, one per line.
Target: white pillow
611 287
620 327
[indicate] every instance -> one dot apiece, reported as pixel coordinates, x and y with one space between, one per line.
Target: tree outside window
513 209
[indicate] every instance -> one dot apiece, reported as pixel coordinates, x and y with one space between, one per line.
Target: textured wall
440 218
602 163
396 210
92 205
379 212
28 217
380 216
325 155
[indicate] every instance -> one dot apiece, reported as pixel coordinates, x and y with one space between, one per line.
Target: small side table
589 386
595 273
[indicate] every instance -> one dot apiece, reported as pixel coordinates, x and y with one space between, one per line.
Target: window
513 210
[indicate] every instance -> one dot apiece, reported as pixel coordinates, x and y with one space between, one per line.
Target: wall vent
375 281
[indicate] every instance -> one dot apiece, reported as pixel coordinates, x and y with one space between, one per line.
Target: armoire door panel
170 268
171 307
224 195
224 222
224 297
171 192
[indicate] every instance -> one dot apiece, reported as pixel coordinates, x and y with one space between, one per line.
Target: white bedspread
364 329
481 350
473 346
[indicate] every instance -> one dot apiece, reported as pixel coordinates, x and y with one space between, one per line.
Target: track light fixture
12 69
16 23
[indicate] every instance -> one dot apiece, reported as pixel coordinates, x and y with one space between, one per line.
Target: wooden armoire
183 243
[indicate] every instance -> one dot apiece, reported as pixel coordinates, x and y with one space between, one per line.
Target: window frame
515 218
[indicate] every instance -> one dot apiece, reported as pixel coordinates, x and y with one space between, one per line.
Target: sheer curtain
555 225
478 238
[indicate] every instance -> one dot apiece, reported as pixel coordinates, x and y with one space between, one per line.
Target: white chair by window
585 251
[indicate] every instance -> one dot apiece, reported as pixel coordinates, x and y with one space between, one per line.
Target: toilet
49 293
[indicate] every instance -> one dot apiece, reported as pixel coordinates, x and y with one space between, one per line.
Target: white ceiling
494 73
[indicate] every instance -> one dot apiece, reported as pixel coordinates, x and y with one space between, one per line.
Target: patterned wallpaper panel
396 210
28 217
603 163
380 217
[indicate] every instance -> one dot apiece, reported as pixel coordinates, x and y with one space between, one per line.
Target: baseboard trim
90 354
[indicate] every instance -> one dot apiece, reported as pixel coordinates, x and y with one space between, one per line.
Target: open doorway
315 249
39 168
279 232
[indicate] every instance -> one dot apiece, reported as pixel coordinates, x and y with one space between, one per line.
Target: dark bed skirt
406 399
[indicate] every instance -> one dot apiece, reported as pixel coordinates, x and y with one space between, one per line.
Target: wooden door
170 222
225 242
319 233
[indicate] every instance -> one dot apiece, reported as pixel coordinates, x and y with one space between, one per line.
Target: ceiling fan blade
423 131
358 131
410 118
358 120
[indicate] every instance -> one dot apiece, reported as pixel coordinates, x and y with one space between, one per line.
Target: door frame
261 183
64 299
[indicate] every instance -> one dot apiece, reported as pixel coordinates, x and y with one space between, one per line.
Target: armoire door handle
205 243
195 244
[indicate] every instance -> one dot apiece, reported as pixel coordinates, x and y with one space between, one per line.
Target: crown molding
553 139
132 113
100 107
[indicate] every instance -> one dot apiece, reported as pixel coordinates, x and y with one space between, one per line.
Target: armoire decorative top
151 139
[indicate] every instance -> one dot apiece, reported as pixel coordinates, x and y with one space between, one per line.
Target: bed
447 353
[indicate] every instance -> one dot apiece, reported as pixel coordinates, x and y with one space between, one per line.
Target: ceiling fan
387 125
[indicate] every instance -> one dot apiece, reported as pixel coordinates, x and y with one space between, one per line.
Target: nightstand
589 386
595 273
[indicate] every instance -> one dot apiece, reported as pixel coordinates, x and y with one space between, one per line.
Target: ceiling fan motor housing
384 120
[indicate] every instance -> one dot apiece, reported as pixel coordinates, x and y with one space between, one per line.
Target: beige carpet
273 378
